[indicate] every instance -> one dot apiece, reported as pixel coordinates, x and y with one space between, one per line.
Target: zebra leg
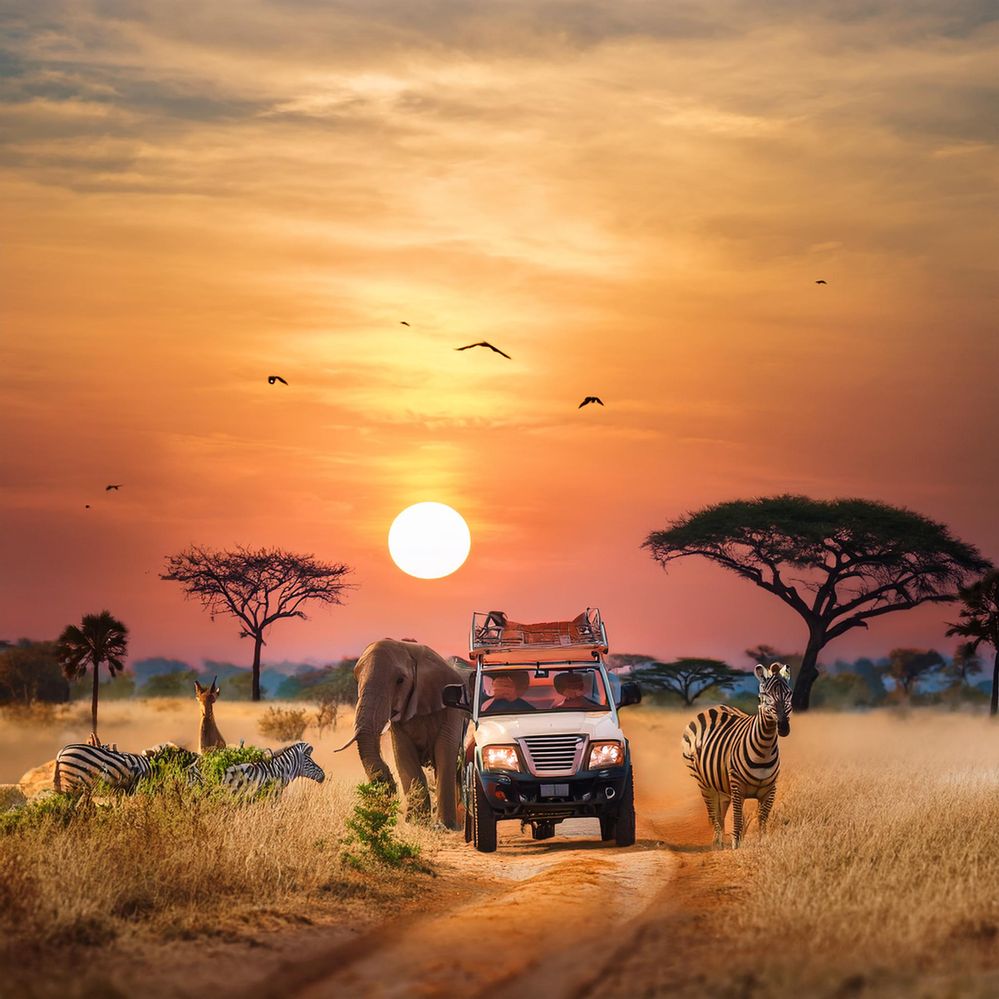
716 813
737 800
766 803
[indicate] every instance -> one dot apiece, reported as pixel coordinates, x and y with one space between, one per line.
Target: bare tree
256 586
836 563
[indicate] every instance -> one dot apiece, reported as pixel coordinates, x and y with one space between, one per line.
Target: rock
38 780
11 796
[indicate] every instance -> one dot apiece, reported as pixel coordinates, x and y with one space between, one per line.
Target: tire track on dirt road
568 890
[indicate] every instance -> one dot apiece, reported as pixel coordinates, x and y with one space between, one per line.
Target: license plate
554 790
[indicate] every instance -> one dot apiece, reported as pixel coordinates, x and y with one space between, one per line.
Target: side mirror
455 696
631 693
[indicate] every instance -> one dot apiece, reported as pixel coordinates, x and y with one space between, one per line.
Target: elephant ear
431 674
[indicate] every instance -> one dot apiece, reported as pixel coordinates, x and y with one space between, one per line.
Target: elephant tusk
346 744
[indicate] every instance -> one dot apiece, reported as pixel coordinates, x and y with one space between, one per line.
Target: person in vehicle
507 688
572 687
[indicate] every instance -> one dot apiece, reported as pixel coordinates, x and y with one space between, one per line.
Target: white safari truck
543 741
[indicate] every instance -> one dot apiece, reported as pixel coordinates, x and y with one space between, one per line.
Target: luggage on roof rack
495 638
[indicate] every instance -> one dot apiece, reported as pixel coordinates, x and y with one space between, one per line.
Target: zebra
282 767
80 767
734 756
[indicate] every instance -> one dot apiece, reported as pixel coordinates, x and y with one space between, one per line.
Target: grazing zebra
283 767
80 767
734 756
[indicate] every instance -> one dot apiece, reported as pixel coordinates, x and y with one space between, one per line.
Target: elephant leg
445 762
411 776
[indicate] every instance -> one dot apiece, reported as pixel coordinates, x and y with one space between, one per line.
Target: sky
633 200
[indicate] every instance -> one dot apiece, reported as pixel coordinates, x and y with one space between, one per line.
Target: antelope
209 737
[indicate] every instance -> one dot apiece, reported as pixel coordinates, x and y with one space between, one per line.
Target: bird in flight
271 379
482 343
108 489
86 506
820 281
402 322
588 400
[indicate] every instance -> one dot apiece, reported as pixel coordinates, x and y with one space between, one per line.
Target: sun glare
429 540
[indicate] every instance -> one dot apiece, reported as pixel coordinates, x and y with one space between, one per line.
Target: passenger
571 687
507 688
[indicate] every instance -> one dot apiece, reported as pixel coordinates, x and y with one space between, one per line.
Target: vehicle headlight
500 758
605 754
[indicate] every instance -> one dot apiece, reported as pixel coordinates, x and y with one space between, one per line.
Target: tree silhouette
836 563
100 638
979 623
907 666
688 678
256 586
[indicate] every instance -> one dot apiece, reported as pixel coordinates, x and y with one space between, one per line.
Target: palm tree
980 623
100 638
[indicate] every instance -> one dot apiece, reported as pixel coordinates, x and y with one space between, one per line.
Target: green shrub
284 724
214 762
54 810
371 825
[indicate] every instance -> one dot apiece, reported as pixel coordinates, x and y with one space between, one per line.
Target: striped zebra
79 767
734 756
281 767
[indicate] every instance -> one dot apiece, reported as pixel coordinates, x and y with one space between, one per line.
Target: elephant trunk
372 717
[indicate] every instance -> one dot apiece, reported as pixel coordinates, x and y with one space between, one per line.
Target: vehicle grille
552 754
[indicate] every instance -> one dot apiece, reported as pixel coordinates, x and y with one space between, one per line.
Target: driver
507 688
572 686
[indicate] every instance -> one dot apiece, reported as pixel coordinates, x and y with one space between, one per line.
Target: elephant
400 685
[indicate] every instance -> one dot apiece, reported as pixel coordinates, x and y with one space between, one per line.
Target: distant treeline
29 672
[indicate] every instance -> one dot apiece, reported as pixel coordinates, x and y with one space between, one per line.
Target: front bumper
590 793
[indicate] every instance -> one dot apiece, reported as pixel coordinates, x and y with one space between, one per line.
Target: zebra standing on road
734 756
79 767
282 767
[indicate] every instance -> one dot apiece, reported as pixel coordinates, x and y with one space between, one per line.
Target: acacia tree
907 666
836 563
979 623
256 586
100 638
688 678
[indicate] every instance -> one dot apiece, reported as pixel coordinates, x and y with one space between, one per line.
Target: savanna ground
879 876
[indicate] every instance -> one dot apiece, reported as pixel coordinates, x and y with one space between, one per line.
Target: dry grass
879 874
176 864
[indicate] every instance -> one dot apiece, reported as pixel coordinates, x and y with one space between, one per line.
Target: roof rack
494 638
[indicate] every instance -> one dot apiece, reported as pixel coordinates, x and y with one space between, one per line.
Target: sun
429 540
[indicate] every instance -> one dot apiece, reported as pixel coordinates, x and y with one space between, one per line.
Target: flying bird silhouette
588 400
271 379
86 506
482 343
403 322
108 489
820 281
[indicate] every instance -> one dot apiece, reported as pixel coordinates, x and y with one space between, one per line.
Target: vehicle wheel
608 825
542 830
624 831
483 821
466 807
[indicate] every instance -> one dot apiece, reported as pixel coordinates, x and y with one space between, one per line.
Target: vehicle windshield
511 692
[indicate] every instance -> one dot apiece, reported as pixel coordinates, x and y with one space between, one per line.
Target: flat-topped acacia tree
256 586
979 623
837 563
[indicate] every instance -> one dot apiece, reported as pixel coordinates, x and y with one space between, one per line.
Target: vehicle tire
624 827
483 821
466 807
608 827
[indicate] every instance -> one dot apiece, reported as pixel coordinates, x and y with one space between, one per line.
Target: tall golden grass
880 869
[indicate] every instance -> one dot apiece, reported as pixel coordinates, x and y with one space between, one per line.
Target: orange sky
633 203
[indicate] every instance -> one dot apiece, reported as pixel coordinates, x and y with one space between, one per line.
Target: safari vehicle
543 742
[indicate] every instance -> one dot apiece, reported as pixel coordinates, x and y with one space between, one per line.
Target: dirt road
534 918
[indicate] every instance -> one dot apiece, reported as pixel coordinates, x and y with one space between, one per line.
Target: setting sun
429 540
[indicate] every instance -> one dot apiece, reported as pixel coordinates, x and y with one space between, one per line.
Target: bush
214 762
52 810
284 724
375 815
